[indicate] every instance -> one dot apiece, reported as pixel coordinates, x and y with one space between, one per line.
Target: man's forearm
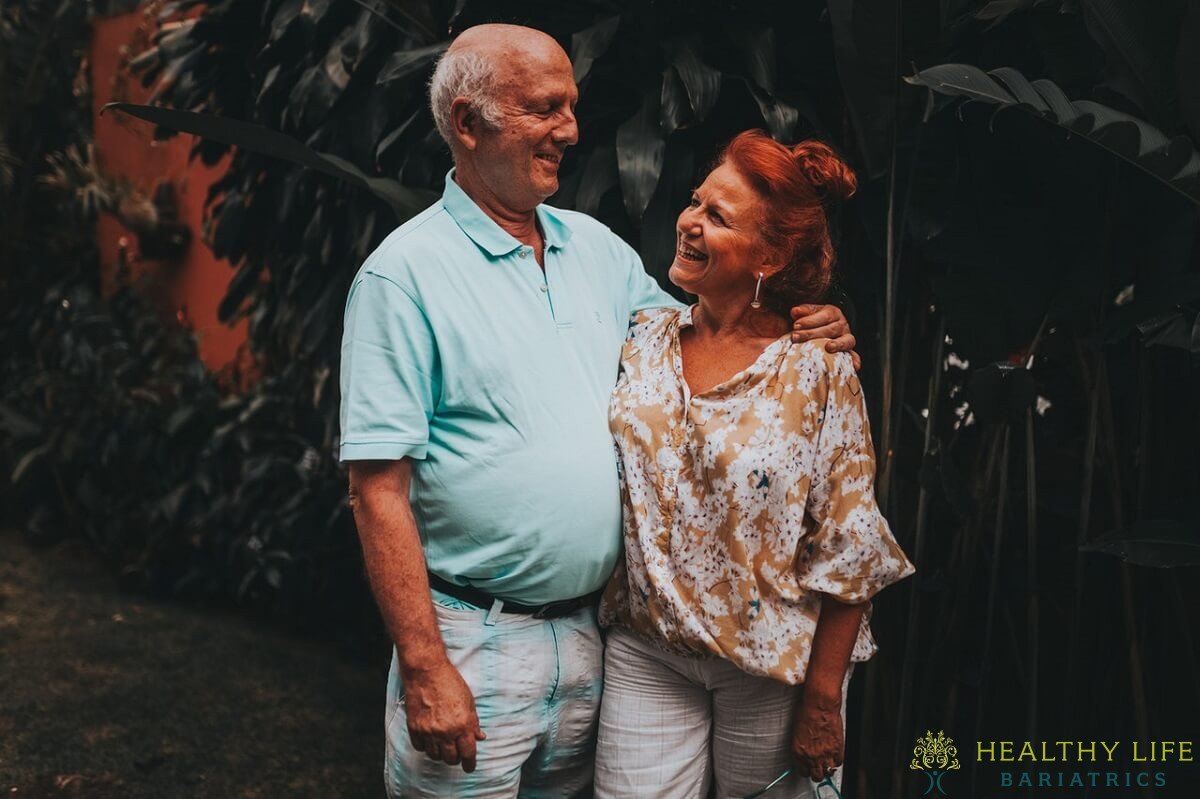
395 565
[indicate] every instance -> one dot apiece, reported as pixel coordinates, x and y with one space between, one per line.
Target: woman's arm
818 735
848 556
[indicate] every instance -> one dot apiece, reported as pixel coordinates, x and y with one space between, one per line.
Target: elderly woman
753 543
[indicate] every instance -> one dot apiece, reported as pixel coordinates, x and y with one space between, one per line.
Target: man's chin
547 189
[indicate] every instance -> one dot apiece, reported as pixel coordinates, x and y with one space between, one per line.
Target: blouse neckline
770 354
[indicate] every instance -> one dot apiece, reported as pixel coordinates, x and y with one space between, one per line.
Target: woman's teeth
690 254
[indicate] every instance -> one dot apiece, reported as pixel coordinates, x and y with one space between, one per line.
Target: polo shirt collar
484 231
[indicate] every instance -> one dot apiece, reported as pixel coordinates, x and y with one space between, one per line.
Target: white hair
463 74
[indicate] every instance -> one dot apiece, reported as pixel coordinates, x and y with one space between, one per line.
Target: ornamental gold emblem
934 756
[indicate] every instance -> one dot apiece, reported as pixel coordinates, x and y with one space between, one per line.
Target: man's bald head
484 61
501 42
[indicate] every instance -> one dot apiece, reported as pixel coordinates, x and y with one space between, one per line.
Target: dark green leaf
28 461
1160 543
320 87
1174 162
758 46
1021 89
285 17
409 62
180 417
640 149
997 11
674 110
963 80
589 44
658 226
239 288
864 39
388 141
599 176
404 201
779 117
702 82
1180 330
1187 67
1138 39
17 424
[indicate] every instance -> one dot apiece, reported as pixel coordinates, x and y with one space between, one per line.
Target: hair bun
825 169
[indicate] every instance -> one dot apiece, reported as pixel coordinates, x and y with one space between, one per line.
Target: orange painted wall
191 288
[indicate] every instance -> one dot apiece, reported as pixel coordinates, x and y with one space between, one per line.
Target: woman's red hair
796 183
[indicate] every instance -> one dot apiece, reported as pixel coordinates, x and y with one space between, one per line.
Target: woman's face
719 250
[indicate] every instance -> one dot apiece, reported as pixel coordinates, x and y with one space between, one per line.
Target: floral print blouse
745 503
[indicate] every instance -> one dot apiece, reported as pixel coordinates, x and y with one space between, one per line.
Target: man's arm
825 321
442 721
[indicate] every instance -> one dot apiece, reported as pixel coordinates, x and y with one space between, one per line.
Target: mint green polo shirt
494 377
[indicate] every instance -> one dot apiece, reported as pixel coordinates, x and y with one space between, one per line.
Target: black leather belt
484 600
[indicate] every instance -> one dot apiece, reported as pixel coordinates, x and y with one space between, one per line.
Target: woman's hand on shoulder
825 321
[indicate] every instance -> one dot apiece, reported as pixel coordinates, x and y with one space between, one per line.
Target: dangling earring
756 303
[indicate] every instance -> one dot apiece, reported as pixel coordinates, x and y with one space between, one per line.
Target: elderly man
481 344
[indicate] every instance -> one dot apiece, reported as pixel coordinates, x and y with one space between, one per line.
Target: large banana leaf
1139 40
865 41
404 201
1174 162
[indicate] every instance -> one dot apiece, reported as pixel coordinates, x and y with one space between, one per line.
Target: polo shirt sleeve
644 291
390 374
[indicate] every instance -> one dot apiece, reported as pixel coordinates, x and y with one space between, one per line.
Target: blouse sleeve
849 553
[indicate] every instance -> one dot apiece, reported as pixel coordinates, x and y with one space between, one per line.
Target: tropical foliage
1020 266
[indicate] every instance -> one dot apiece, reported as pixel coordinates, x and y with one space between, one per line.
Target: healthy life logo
934 756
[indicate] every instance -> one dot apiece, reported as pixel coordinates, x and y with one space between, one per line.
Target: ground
104 694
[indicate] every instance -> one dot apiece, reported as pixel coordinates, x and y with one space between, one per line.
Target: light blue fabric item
494 376
537 687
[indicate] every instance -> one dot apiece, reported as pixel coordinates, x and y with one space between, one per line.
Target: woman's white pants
671 726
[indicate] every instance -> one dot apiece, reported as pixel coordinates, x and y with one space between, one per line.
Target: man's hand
818 740
442 721
825 321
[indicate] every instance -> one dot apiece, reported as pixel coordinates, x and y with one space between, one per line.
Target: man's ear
464 121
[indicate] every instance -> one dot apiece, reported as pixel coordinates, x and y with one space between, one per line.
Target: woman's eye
717 218
693 203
